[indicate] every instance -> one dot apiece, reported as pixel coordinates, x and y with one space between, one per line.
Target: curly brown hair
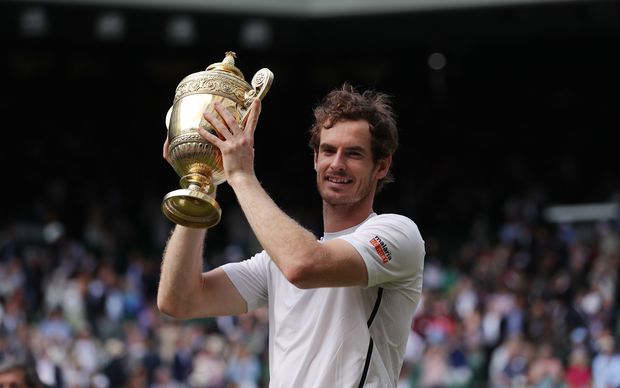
346 103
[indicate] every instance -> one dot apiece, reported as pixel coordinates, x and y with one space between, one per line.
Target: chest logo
382 249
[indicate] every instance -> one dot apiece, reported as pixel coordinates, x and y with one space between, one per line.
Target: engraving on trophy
212 84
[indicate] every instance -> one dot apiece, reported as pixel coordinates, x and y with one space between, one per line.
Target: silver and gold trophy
194 159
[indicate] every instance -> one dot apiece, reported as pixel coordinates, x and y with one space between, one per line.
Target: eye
355 154
327 151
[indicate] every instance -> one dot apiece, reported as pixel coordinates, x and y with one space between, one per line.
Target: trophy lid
227 65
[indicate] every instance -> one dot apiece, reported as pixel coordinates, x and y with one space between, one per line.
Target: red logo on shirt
381 248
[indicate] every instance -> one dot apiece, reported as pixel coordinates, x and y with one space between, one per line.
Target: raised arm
303 260
184 290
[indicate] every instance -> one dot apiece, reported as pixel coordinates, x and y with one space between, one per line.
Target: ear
383 166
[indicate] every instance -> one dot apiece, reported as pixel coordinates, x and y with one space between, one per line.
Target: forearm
291 247
181 270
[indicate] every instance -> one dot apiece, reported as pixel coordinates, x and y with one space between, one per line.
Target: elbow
168 307
304 269
300 275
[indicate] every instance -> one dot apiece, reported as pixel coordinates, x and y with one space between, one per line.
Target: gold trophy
194 159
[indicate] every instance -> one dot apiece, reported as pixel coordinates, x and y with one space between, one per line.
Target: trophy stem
194 205
197 181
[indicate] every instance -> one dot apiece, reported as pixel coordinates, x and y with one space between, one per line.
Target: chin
337 199
332 197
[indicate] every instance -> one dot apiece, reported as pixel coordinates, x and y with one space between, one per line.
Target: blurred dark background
492 102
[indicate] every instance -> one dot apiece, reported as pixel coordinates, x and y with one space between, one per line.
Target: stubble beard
336 200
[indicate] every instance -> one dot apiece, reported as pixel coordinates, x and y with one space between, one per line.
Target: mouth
338 180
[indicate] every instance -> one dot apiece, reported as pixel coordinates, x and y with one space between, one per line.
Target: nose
337 163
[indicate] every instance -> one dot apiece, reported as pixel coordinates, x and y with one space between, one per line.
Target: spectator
546 370
578 374
606 364
244 369
20 373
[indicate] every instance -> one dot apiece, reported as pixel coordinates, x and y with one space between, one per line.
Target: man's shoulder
397 220
393 216
396 227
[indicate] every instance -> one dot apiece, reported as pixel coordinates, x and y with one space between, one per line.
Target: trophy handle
261 82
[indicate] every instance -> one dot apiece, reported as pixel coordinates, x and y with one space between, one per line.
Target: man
340 308
19 374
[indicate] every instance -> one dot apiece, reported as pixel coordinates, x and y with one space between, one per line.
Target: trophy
194 159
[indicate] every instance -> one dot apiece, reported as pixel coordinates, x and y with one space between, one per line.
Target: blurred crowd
536 308
524 303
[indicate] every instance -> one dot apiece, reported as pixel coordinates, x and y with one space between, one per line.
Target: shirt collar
332 235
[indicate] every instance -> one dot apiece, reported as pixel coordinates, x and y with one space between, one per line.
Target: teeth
339 180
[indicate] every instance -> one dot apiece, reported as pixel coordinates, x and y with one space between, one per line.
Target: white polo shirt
341 336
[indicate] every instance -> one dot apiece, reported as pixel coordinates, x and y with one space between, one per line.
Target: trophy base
191 208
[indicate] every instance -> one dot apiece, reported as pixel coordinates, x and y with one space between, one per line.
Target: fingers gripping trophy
194 159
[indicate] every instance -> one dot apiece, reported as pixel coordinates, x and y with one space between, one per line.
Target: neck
341 217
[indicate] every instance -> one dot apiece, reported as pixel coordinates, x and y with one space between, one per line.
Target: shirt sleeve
392 248
250 277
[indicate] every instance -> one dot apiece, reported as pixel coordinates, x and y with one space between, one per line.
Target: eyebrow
324 146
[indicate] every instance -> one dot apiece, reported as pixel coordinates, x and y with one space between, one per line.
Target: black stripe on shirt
367 364
371 344
376 308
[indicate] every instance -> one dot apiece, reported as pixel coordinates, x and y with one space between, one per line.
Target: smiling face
346 172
